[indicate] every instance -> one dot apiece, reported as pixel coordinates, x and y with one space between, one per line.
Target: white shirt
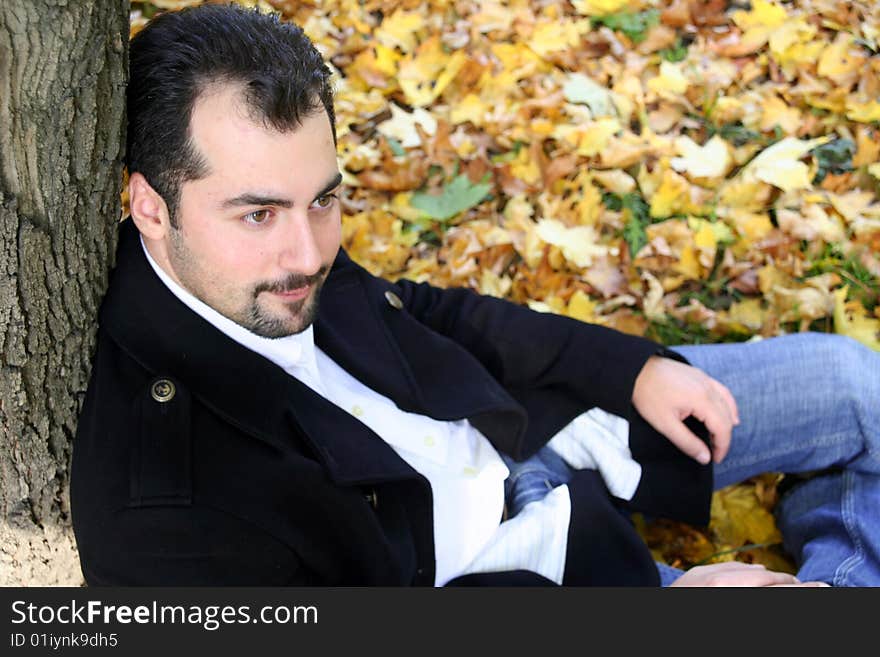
464 470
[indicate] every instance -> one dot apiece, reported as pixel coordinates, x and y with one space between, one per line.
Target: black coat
199 462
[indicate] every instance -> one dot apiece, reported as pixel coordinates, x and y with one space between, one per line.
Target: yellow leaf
674 196
494 285
670 80
581 307
425 75
492 16
525 168
453 67
737 518
874 170
708 161
539 306
402 125
652 304
810 301
852 205
841 62
745 194
748 312
704 238
863 112
688 264
771 278
868 147
555 36
775 112
780 164
762 14
810 222
595 137
624 151
601 7
401 206
400 29
793 44
470 108
616 181
589 208
851 319
579 244
712 232
752 226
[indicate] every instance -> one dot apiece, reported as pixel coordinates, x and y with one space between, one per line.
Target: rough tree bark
63 67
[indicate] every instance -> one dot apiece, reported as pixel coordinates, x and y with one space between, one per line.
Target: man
263 411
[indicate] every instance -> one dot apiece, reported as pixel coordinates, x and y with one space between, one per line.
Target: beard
295 316
299 314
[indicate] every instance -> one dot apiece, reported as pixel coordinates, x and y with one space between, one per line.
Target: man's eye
324 202
257 217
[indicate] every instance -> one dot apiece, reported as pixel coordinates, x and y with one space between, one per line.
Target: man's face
258 234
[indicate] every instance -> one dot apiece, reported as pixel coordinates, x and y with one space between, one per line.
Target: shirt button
429 441
393 300
357 411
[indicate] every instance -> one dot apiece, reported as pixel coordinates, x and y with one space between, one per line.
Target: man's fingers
685 439
736 574
714 413
728 398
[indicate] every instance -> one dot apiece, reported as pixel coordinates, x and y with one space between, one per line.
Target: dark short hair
178 54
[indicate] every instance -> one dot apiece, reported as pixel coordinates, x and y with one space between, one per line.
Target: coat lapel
167 338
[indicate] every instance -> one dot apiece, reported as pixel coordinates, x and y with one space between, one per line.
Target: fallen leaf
456 197
851 319
710 160
780 164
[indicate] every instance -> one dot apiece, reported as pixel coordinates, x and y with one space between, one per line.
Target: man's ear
148 209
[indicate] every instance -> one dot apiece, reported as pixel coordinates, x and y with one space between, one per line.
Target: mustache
292 282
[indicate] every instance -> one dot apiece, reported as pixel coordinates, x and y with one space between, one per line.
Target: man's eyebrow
258 199
330 186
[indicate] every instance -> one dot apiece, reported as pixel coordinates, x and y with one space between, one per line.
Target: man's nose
299 251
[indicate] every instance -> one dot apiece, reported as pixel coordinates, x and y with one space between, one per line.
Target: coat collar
165 337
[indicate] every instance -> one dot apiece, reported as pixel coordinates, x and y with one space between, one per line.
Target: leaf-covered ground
693 171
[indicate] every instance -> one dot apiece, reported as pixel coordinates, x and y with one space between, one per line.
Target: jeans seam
841 575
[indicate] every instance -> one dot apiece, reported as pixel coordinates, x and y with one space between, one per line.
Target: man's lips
294 294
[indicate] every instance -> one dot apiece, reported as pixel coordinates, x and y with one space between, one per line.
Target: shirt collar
288 352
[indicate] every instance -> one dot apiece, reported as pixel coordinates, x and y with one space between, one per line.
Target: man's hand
666 392
734 573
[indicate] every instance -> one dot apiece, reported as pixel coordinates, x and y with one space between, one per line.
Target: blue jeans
808 402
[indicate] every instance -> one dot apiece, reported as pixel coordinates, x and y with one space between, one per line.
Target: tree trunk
63 68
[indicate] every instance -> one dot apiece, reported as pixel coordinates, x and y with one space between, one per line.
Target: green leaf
676 53
635 26
834 157
509 156
635 235
636 214
396 147
457 196
736 133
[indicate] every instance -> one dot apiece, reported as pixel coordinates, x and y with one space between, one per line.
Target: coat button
372 498
163 391
393 300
